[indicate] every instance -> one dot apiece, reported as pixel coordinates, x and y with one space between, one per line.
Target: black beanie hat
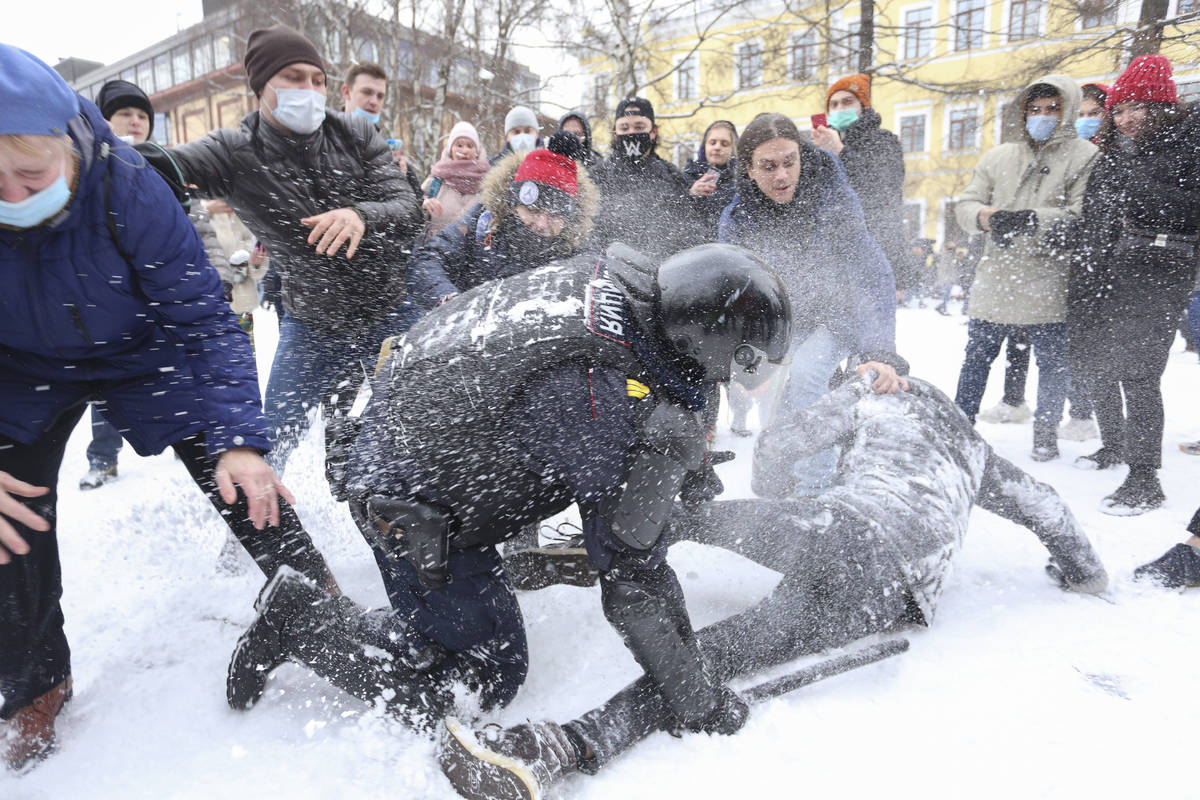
115 95
635 107
269 50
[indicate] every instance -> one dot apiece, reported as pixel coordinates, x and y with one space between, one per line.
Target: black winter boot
517 763
260 649
1104 458
1177 568
1141 492
1045 445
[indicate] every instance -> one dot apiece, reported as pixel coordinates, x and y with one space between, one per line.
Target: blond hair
29 144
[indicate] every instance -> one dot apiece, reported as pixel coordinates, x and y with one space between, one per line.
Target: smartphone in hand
435 186
820 121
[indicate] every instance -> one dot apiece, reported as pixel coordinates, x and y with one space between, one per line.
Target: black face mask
632 146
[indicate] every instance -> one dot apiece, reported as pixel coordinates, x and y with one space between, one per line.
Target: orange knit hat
858 85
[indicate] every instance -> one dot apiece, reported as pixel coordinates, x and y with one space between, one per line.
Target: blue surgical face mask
374 118
523 141
1087 127
38 207
299 110
842 119
1041 126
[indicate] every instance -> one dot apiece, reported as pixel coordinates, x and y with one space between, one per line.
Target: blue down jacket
150 333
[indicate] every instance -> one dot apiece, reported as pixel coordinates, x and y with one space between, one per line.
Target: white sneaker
1078 430
1004 413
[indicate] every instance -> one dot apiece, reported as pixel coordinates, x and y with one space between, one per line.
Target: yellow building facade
945 72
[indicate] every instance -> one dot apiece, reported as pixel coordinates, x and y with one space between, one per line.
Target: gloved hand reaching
1006 225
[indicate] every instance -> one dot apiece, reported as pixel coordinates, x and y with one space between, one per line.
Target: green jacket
1026 282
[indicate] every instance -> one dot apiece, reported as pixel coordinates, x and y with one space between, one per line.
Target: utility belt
1181 244
415 531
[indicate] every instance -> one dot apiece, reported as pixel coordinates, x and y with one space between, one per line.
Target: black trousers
34 655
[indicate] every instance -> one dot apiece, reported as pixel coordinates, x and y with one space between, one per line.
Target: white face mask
523 142
299 110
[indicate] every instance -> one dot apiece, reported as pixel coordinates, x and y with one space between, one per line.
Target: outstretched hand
11 542
244 467
887 380
333 229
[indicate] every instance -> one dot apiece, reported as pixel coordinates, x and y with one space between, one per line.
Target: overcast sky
57 29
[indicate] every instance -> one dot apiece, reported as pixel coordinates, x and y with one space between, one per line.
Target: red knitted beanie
1147 79
549 169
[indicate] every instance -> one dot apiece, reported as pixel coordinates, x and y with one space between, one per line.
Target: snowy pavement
1018 690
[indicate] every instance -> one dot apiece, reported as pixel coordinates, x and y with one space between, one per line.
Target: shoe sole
478 773
260 605
549 566
1121 510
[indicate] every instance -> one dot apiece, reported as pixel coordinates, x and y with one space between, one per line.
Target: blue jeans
310 363
1193 319
1049 342
813 361
106 442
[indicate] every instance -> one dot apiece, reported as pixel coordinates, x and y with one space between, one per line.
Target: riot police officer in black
579 382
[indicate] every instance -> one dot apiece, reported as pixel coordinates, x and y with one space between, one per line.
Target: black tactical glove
1006 225
702 485
729 716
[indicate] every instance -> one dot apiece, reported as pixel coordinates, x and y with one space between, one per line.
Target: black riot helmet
718 303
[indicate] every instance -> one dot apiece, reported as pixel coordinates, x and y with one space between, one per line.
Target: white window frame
607 108
1006 23
738 49
922 204
962 106
793 40
953 29
998 122
843 61
933 29
900 113
694 58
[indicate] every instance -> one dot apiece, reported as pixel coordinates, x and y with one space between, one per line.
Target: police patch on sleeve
528 193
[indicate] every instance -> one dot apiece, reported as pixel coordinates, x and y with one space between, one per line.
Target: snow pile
1019 689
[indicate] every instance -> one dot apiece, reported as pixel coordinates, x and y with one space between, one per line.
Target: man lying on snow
866 556
579 382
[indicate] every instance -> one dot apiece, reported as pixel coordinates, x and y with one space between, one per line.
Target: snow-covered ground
1018 690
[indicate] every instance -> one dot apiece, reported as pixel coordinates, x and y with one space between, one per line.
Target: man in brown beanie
308 181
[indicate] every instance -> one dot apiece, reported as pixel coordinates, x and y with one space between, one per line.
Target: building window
1185 7
181 64
963 129
804 56
918 33
1188 90
912 133
748 64
1098 13
685 79
145 77
1024 17
202 56
846 44
968 24
600 89
222 51
914 219
162 73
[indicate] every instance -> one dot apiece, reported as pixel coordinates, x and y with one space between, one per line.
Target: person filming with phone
714 175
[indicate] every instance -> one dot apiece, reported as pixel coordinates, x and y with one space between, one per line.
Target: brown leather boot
29 735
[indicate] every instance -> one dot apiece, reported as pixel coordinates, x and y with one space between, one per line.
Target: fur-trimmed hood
495 199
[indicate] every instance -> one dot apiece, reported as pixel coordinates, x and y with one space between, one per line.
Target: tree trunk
1148 37
866 37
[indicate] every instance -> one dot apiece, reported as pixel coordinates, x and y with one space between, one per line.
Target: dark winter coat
274 179
491 242
834 270
643 204
874 165
1126 295
151 332
590 157
706 211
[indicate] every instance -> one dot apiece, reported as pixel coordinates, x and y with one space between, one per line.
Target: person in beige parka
1019 194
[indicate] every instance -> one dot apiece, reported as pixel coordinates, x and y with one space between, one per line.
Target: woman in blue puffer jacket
106 295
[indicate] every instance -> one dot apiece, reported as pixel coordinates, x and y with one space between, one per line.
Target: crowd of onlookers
1080 249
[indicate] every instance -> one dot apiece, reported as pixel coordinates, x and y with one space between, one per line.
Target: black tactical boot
1141 492
261 648
1177 568
517 763
538 566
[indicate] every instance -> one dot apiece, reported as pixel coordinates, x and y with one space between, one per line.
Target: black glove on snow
1006 225
702 485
